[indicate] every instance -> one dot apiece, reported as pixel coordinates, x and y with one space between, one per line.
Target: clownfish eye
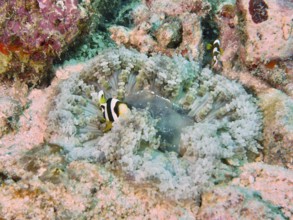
103 108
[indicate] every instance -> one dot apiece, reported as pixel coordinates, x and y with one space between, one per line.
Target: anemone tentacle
185 121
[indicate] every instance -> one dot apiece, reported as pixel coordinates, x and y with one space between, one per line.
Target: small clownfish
217 51
111 109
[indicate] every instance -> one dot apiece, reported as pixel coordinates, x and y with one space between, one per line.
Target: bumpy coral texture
212 119
34 32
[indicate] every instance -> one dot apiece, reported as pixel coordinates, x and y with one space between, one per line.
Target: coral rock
258 10
169 34
268 26
166 27
236 203
39 33
230 43
278 127
9 115
272 182
177 7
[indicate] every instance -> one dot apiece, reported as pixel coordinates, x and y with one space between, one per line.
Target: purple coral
41 24
38 29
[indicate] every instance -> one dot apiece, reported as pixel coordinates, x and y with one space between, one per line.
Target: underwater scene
146 109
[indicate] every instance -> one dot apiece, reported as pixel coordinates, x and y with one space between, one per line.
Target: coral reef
175 7
168 27
35 32
215 121
277 118
195 145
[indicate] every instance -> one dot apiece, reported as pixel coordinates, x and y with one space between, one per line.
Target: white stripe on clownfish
113 103
216 53
217 42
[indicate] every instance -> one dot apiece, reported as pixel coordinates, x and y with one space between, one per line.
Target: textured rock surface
35 32
278 127
245 42
165 26
177 7
9 114
271 38
47 187
236 203
272 182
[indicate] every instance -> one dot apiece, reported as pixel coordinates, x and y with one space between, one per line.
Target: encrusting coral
33 33
213 121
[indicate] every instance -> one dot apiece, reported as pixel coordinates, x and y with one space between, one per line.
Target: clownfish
111 108
217 51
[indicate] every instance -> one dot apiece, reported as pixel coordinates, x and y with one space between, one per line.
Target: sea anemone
187 126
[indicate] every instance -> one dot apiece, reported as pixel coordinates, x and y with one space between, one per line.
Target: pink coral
268 30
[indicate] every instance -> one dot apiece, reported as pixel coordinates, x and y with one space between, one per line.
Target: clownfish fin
101 97
209 46
108 126
221 51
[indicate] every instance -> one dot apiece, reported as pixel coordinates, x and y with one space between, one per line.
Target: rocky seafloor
203 140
